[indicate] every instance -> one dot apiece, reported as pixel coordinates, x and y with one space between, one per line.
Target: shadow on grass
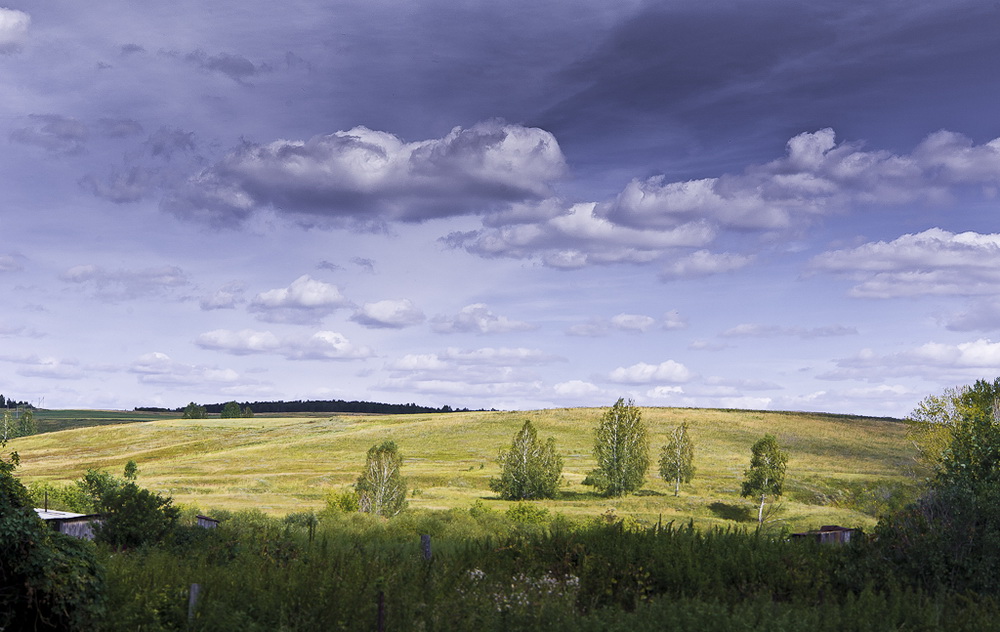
579 496
736 513
649 492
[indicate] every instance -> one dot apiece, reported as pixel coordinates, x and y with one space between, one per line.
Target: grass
289 464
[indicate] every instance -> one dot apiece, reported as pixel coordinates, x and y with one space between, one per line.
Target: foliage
132 516
194 411
621 448
677 458
265 574
20 424
529 470
766 473
381 488
231 410
526 513
47 581
345 500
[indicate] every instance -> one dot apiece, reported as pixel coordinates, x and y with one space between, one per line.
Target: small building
207 523
72 524
832 534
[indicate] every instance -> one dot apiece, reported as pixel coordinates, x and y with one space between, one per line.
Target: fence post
193 601
380 620
425 546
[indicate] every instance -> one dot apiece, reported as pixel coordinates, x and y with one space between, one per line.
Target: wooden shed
72 524
832 534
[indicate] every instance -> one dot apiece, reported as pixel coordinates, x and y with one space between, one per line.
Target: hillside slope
288 464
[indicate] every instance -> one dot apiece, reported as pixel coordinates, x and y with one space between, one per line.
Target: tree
766 474
677 458
133 516
194 411
381 488
131 471
247 412
26 424
935 418
231 410
621 449
48 581
529 470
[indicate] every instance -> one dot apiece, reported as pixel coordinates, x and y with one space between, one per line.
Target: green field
289 464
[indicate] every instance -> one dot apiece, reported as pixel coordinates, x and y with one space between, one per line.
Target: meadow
841 470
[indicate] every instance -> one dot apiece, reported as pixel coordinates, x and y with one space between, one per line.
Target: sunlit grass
289 464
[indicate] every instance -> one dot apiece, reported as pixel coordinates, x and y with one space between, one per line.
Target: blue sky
502 205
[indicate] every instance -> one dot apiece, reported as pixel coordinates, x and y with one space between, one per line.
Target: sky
512 205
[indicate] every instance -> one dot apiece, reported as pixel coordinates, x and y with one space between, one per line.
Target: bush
47 581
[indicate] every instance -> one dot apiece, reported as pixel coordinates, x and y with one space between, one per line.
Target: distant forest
11 403
320 406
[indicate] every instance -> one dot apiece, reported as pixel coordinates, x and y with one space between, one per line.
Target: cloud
306 300
126 284
118 127
470 373
322 345
53 133
643 373
159 368
50 368
579 236
477 318
674 320
636 323
389 314
755 330
934 262
655 218
152 166
632 323
576 389
363 177
11 263
13 30
703 263
226 297
236 67
933 360
981 316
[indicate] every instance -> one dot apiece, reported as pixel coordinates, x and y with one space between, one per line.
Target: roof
52 514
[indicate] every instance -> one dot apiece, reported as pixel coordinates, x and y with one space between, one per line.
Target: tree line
315 406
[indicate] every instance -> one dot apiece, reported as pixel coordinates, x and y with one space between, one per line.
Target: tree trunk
760 510
677 485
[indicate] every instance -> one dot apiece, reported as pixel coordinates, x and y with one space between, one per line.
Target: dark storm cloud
686 78
147 168
366 177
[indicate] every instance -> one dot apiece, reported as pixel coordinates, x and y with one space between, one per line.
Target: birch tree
621 448
381 488
677 458
766 474
530 469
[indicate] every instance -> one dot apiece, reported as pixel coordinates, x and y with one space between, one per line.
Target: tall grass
491 573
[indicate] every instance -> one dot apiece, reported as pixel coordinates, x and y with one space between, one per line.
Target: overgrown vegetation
931 565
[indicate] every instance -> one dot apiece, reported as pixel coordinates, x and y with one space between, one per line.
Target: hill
840 467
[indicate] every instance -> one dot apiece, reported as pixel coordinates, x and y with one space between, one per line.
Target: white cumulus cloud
643 373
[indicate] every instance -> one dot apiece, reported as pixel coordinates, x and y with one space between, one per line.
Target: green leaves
529 470
677 458
766 474
381 488
621 447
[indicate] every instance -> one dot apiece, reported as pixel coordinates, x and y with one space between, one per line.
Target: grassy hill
838 464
